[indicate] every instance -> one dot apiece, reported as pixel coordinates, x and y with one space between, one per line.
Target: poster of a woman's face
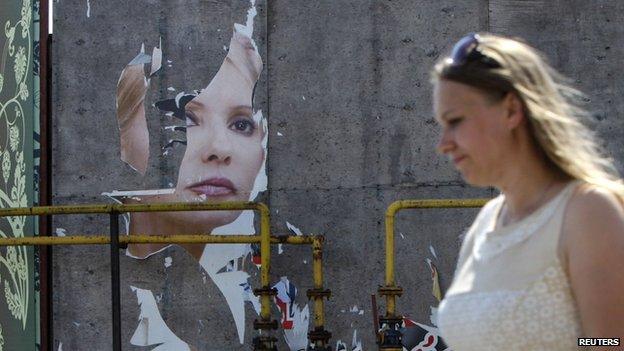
224 151
225 145
224 140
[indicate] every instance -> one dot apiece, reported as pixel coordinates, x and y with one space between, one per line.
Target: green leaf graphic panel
18 111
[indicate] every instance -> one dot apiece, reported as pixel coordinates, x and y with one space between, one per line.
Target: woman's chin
190 196
206 220
475 181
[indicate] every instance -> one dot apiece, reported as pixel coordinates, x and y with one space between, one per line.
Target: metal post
115 284
265 341
319 337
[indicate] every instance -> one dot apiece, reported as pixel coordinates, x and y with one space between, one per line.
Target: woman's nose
445 144
217 149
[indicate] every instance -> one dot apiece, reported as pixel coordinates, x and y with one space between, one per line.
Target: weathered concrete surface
584 41
346 85
349 90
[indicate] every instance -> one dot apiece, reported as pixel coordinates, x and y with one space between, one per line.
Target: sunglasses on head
466 50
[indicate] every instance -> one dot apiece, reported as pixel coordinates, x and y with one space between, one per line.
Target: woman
543 263
223 156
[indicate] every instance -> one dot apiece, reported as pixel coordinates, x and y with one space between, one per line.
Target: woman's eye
453 122
244 126
190 120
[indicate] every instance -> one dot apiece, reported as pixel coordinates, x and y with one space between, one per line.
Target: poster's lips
213 187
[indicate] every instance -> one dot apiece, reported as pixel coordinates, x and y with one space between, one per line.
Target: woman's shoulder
589 199
593 213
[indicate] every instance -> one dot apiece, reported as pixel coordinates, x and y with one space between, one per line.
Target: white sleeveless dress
510 291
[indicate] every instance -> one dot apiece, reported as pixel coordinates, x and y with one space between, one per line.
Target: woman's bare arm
593 243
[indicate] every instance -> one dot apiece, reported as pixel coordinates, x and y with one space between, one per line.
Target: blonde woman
543 263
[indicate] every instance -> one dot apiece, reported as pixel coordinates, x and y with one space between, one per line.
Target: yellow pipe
265 238
390 214
151 239
160 207
317 271
265 262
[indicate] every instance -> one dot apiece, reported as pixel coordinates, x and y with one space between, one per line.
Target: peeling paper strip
152 329
293 229
248 28
231 285
88 9
142 58
433 252
251 297
417 336
433 315
294 320
435 288
297 337
341 346
356 344
156 59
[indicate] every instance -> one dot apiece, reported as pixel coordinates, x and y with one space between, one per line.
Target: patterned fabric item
510 291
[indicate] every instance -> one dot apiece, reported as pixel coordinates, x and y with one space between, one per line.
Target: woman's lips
213 187
458 159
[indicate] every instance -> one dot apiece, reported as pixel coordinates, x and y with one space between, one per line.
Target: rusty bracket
390 290
389 335
265 290
326 293
319 334
265 324
264 343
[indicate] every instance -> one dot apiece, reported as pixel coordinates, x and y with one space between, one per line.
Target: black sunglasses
466 50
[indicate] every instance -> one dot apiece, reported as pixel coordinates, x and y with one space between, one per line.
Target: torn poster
156 59
133 134
420 337
231 92
152 329
435 288
294 320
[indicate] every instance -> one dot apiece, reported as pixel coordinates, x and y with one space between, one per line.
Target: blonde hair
552 107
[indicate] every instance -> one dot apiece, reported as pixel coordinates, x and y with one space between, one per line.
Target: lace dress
510 291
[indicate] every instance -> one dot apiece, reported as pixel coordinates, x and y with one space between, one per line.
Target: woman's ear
514 110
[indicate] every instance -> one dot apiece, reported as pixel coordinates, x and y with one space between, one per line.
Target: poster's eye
191 120
244 126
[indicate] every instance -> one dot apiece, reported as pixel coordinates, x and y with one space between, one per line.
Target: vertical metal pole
265 265
115 289
317 271
390 299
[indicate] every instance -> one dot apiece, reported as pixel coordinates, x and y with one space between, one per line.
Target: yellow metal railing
389 336
265 341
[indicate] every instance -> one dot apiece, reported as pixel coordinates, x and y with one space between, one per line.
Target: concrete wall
346 85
